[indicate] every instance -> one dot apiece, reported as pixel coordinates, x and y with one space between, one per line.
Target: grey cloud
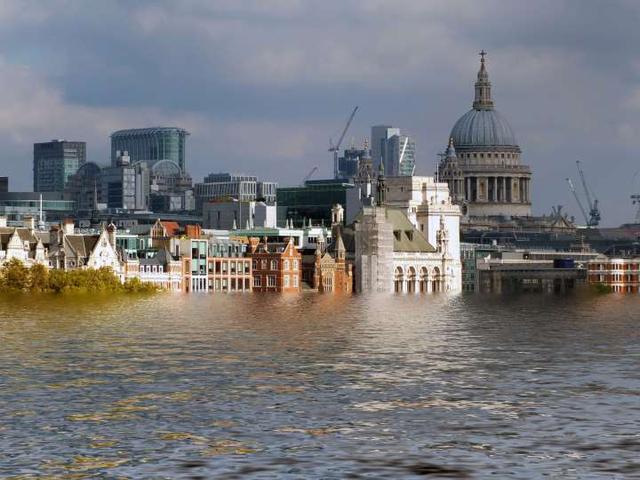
282 75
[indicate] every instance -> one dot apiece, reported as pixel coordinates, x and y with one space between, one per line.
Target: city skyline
258 99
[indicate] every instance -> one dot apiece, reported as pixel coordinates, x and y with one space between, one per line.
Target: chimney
68 226
111 234
3 221
30 223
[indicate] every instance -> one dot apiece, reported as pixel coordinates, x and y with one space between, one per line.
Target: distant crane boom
592 212
309 175
575 194
335 148
584 183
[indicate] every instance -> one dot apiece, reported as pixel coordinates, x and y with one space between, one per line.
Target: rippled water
311 386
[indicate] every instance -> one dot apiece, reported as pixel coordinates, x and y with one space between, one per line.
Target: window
295 264
286 281
224 267
286 265
271 281
264 264
274 264
255 264
246 267
233 267
295 281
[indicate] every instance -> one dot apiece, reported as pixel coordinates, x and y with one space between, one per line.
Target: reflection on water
266 386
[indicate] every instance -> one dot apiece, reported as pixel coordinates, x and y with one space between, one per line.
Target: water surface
311 386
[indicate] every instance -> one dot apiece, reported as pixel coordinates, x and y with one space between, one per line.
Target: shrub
16 276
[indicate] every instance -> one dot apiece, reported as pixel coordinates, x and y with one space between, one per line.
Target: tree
38 278
15 275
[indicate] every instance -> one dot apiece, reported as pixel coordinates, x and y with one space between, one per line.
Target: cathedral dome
483 126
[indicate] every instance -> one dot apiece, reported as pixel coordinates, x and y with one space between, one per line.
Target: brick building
277 267
622 275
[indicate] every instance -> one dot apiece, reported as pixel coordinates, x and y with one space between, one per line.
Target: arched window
411 280
436 280
274 264
398 279
424 280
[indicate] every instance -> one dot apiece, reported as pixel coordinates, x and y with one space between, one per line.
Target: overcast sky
262 85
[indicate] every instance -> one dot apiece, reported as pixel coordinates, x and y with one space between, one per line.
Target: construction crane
592 217
335 148
635 197
594 211
309 175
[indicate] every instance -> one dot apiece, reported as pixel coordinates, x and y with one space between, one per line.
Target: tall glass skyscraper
54 162
151 145
397 152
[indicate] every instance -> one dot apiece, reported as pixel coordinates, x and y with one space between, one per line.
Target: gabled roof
82 245
406 238
172 228
23 233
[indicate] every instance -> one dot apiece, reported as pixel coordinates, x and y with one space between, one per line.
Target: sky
262 85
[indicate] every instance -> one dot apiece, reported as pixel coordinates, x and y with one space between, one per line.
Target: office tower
151 145
54 162
226 186
396 151
125 185
4 184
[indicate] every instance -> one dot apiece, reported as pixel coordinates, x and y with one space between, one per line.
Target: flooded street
312 386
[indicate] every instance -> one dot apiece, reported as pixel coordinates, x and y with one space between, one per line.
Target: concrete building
227 186
482 163
475 257
151 145
511 272
125 186
237 214
397 152
4 184
54 162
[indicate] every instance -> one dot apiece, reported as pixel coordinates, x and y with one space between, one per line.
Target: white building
409 239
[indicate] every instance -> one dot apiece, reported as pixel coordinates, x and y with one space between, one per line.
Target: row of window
151 269
614 266
489 155
231 267
288 281
286 265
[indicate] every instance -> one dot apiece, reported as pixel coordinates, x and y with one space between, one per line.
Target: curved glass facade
151 145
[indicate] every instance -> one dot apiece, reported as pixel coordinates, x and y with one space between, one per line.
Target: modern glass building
397 152
18 205
312 202
54 162
151 145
